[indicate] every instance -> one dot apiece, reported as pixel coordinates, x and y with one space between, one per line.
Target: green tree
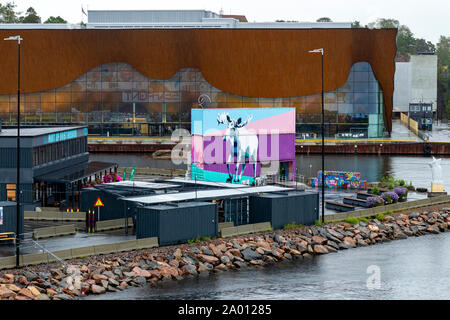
356 24
405 40
53 19
382 23
8 13
443 51
443 94
324 19
421 45
31 16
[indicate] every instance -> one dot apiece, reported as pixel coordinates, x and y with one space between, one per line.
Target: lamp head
316 51
18 38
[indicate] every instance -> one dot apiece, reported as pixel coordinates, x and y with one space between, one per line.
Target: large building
416 82
141 72
54 165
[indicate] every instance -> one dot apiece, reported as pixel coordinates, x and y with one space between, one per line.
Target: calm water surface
415 268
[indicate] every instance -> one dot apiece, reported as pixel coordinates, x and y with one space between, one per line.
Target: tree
8 14
356 24
384 23
443 94
421 45
31 16
324 19
405 40
443 51
53 19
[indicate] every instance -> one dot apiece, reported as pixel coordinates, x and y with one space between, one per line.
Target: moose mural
244 145
232 145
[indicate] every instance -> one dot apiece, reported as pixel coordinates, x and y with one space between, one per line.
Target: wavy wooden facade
245 62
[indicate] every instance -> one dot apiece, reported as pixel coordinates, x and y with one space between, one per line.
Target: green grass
365 220
380 216
351 220
292 225
319 222
198 239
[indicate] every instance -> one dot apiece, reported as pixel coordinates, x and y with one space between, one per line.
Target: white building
415 81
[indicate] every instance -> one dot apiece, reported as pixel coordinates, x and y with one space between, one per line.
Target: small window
11 192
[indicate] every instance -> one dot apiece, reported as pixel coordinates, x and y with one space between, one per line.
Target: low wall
112 224
399 206
245 229
57 231
55 216
82 252
223 225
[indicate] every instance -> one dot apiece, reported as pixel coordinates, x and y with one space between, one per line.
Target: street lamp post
18 39
323 142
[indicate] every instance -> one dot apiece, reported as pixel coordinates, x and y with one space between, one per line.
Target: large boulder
208 258
248 255
319 249
98 289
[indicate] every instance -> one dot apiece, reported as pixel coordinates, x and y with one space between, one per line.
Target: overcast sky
426 18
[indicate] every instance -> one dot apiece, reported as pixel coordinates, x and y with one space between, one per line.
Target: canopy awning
77 172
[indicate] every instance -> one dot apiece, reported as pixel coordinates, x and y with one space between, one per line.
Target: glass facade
115 99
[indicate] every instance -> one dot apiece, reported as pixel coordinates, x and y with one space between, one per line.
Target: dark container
114 207
8 217
174 224
280 209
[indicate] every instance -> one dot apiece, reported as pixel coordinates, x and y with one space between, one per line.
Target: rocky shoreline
116 272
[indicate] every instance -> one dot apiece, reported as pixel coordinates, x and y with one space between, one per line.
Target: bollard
93 222
71 210
78 209
67 210
89 221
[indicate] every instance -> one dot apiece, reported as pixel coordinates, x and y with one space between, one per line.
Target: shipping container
177 223
8 217
280 209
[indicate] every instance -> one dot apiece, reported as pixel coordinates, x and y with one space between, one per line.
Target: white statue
436 171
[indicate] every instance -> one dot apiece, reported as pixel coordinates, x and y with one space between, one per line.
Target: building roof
240 18
33 132
210 194
76 173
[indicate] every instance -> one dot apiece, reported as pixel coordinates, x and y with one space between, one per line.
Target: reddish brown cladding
245 62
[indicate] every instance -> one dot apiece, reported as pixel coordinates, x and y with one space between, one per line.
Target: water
371 167
415 268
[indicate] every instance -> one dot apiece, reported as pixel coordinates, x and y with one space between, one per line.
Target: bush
387 178
389 197
375 190
390 186
380 216
401 192
401 182
374 201
352 220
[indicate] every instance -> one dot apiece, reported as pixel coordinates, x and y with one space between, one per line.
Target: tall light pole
323 141
18 39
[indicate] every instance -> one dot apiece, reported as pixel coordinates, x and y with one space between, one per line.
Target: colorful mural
229 145
340 180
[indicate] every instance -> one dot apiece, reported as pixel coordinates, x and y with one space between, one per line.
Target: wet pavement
80 239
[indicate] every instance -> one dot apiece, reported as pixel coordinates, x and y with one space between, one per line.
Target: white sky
426 18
